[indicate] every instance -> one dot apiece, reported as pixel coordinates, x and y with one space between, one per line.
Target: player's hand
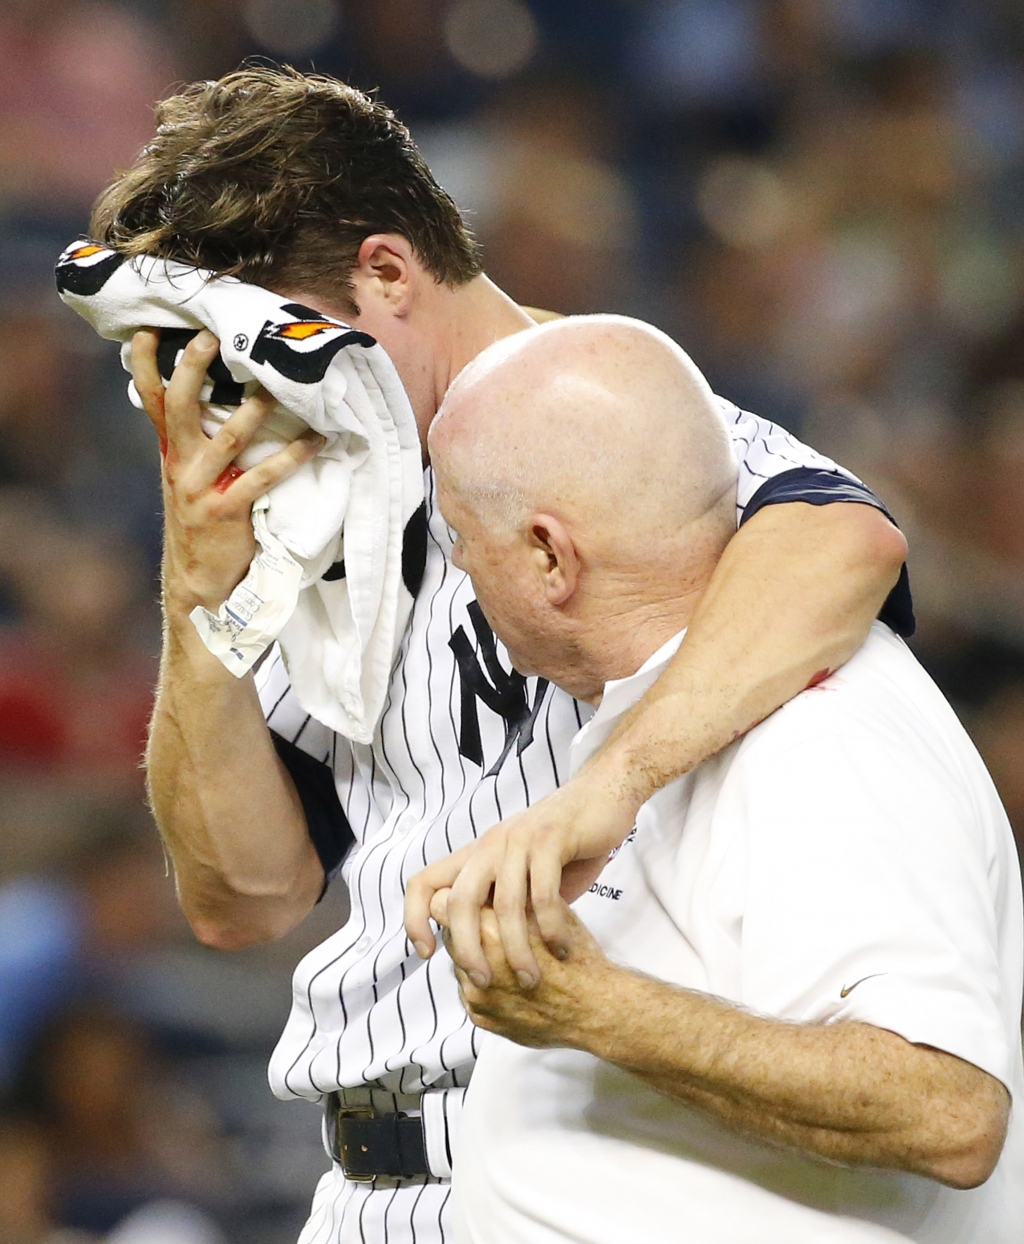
537 861
208 536
559 1010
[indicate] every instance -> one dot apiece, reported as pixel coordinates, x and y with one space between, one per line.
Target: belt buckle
336 1112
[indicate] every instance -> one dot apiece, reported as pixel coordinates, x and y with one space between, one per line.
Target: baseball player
316 191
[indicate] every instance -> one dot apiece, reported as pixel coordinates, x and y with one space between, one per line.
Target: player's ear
554 557
385 271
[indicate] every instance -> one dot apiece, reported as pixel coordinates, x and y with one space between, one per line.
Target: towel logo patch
223 389
85 268
302 349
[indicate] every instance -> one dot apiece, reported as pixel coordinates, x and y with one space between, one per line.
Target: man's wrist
611 993
606 1023
182 641
180 598
178 610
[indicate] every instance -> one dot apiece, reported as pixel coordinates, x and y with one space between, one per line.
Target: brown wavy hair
277 177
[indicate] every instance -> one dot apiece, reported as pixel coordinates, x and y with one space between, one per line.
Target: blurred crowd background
822 200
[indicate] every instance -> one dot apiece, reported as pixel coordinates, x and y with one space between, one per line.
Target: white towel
348 514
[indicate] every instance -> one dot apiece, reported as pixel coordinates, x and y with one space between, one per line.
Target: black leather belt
367 1144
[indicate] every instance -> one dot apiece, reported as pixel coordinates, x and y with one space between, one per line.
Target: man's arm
792 598
848 1092
245 867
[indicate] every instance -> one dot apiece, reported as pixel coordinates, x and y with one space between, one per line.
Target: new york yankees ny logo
501 691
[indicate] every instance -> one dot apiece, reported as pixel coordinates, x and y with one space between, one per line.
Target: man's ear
555 558
385 271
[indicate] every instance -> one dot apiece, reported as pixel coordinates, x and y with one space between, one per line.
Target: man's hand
208 542
555 1012
535 862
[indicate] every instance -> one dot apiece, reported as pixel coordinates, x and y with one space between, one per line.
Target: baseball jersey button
364 943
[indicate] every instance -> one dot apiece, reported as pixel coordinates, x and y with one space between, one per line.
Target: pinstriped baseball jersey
463 742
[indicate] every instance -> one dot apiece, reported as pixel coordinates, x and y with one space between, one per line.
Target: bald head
600 420
589 474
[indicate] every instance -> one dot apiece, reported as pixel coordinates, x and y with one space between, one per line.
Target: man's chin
522 666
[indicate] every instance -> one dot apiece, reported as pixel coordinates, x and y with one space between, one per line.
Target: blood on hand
227 477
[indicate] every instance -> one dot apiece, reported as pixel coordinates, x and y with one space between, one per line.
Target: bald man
789 1007
632 484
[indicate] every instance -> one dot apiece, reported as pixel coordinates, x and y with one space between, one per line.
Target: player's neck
472 317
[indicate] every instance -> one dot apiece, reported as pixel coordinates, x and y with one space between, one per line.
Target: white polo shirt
847 859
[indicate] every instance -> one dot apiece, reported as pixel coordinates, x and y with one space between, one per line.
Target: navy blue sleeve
327 823
818 487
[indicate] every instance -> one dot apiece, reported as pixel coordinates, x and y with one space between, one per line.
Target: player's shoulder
765 449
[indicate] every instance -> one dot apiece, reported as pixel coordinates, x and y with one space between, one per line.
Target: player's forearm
792 598
245 868
848 1092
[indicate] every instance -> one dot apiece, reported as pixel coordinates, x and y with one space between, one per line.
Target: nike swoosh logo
848 989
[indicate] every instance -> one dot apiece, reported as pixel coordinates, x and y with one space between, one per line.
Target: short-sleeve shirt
463 742
849 859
